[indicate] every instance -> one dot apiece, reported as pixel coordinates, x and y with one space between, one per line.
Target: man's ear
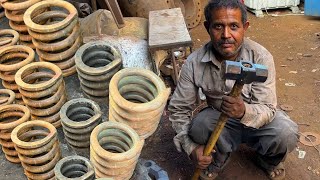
246 25
206 25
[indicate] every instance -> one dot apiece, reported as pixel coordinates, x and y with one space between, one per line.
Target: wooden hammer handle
235 92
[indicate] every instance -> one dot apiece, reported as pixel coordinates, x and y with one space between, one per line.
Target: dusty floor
290 39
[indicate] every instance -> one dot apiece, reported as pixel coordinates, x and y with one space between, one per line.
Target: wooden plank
167 29
114 8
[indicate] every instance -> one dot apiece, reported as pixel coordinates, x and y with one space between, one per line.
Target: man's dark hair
230 4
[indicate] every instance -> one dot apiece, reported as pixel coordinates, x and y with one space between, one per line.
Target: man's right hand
202 162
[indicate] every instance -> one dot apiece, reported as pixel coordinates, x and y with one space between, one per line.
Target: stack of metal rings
14 11
43 90
6 96
137 98
8 37
11 116
114 150
38 148
96 63
12 58
74 167
56 40
79 117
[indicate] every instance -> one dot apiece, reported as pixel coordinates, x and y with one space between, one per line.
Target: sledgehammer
244 73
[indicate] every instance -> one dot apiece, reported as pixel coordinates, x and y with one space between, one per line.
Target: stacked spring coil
96 63
14 10
38 148
137 98
79 117
43 90
74 167
11 116
1 12
6 96
56 40
114 150
8 37
12 58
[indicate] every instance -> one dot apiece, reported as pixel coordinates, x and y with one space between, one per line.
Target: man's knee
285 133
202 125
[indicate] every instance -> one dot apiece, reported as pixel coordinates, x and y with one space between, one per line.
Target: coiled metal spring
79 117
14 11
96 63
74 167
10 117
114 150
137 98
38 148
12 58
43 90
55 34
6 96
8 37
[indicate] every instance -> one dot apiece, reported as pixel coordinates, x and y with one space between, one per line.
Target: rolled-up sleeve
180 107
261 108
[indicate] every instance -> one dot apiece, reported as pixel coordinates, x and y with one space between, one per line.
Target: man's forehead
226 14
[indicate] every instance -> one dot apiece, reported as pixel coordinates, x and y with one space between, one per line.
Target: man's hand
202 162
233 106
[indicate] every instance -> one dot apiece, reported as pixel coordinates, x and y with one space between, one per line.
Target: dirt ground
294 43
295 46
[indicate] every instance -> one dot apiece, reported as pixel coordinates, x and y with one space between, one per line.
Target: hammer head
244 72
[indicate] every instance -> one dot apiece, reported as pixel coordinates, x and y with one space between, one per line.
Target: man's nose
226 33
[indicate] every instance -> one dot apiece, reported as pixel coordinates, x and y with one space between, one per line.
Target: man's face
226 32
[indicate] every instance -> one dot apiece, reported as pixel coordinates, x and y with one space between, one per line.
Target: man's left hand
233 107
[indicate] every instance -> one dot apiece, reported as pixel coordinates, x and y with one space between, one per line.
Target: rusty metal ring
42 93
15 38
81 52
18 27
26 38
9 96
54 98
47 111
45 16
29 14
13 16
101 77
18 5
74 166
36 144
10 107
69 52
134 107
94 92
33 66
54 35
56 46
63 64
95 85
17 48
134 149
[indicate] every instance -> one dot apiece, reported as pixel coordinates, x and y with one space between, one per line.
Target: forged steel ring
137 97
74 167
6 97
30 13
12 35
114 150
21 73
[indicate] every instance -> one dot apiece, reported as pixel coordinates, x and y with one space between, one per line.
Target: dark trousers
272 141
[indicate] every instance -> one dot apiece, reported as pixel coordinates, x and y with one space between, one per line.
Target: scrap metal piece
303 139
286 107
8 37
7 96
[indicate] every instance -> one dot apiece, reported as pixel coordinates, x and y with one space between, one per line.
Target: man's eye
234 26
218 26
